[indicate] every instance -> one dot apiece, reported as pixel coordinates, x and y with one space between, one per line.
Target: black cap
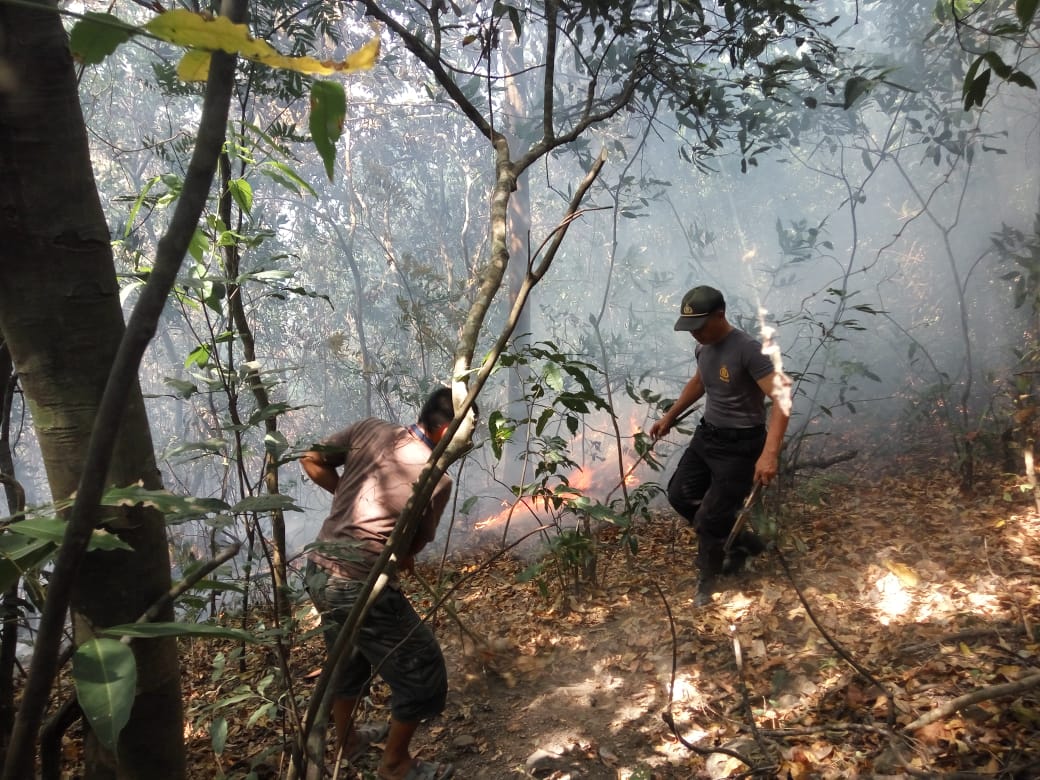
697 304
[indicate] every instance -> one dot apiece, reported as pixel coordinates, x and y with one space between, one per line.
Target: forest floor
929 594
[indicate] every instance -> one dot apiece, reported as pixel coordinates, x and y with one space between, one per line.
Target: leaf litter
935 595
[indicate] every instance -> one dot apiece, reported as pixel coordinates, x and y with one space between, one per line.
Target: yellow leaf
194 66
207 33
907 576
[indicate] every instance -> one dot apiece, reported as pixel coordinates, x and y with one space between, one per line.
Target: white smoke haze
867 256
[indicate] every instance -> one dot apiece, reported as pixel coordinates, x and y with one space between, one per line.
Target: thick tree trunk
61 318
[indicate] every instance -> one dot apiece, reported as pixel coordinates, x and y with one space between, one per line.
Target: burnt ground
923 595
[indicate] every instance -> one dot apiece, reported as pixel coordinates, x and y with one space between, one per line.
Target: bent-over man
370 469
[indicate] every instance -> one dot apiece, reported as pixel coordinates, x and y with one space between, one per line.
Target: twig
667 716
643 456
982 694
838 648
441 601
738 657
827 728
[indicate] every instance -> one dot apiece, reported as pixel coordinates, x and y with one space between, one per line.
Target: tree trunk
61 318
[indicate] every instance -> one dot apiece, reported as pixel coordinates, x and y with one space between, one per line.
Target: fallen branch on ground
982 694
825 463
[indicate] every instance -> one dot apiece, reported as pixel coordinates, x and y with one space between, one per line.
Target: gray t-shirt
730 371
381 462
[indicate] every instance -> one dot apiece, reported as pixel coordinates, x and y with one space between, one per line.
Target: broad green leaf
18 554
183 388
52 529
97 35
194 449
218 731
553 377
286 176
328 110
199 245
242 193
105 675
198 357
196 31
163 500
265 503
156 630
262 712
275 443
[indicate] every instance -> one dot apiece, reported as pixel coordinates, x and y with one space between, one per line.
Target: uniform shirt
730 371
380 462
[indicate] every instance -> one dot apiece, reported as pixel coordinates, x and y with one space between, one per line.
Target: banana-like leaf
155 630
105 674
52 529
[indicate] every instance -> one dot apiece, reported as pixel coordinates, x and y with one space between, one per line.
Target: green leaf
1025 10
218 730
182 388
265 503
276 443
198 357
282 174
855 87
157 630
998 65
97 35
18 554
105 675
163 500
199 245
553 378
242 193
328 110
52 529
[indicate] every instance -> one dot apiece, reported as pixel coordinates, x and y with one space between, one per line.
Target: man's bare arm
321 473
777 386
691 393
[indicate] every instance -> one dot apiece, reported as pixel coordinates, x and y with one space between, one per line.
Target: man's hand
406 565
766 468
660 428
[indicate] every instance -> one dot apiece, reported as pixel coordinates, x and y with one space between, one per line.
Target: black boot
706 587
746 545
735 560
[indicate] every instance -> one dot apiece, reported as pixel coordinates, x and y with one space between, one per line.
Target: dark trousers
710 485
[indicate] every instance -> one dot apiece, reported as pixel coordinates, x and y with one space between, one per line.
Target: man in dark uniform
732 450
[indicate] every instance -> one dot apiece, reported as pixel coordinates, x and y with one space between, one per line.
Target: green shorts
394 643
